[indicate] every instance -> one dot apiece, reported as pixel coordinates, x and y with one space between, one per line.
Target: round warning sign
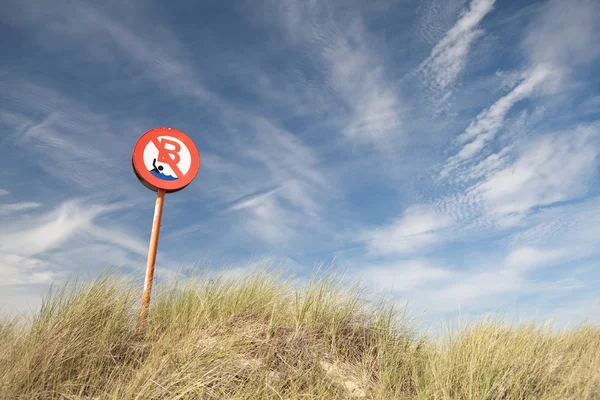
165 158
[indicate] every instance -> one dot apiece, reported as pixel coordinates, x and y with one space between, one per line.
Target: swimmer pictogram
165 158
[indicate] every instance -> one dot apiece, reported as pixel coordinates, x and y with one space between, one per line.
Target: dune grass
265 337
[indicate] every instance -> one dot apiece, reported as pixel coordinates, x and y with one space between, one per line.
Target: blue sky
446 151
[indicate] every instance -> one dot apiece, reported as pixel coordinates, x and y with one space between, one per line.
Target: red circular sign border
157 183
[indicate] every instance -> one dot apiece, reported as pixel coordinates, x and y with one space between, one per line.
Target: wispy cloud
15 207
270 221
501 174
493 282
449 56
276 181
564 35
402 275
497 284
487 124
252 199
84 23
545 171
552 54
69 142
417 230
573 225
290 166
22 246
527 257
119 238
359 79
528 173
570 314
49 231
17 270
371 109
38 248
517 180
480 287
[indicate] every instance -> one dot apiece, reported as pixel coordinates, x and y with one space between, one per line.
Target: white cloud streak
277 196
506 189
290 165
491 120
252 199
481 287
49 231
402 275
83 23
565 34
270 221
419 229
359 80
6 209
527 257
494 282
70 143
560 39
573 225
22 246
449 56
37 249
355 72
546 171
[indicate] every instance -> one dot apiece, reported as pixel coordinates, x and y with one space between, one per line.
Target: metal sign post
151 259
164 160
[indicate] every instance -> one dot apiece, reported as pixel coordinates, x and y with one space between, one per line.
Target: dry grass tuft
262 337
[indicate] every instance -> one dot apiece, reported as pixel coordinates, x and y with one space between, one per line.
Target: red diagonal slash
169 156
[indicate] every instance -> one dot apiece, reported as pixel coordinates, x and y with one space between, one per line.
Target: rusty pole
151 259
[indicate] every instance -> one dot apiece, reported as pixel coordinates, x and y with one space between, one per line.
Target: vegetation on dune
263 337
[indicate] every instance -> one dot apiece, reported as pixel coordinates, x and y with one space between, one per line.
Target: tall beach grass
263 336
